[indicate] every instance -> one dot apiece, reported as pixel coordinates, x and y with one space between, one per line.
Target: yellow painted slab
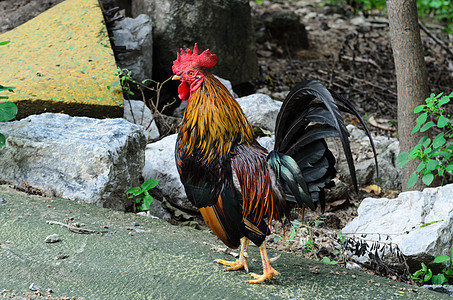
62 61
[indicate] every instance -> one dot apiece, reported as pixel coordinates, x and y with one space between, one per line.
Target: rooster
236 184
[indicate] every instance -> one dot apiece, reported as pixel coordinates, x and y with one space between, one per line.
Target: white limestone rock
399 221
136 36
77 158
261 110
160 164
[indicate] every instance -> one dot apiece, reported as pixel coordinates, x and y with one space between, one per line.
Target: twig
75 229
441 43
362 60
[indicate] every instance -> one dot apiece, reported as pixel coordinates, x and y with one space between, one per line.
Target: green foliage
130 87
435 155
441 10
8 110
143 198
327 260
309 245
425 275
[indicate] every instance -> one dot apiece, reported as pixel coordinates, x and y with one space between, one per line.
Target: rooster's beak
176 77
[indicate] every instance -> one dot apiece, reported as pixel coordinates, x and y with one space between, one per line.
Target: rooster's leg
240 263
268 271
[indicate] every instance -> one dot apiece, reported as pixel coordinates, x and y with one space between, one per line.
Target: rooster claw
267 275
234 265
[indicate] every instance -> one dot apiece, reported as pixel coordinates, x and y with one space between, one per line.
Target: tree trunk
411 76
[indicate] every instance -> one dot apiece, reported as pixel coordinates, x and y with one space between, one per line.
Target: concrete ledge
62 61
154 260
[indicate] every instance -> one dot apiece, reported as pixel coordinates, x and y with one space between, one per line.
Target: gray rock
267 142
260 110
399 222
52 238
445 289
223 26
136 36
156 210
77 158
285 28
387 149
33 287
138 113
3 201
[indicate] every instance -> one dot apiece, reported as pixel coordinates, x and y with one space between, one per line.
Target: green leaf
432 164
149 184
419 108
4 43
444 100
428 275
442 121
438 279
412 180
135 191
441 258
439 140
430 223
2 140
327 260
428 178
8 110
6 88
422 118
427 126
420 167
146 202
116 83
402 164
417 274
402 156
424 268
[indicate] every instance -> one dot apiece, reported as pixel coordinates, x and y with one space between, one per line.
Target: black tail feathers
301 159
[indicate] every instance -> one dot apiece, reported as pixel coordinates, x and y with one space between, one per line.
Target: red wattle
183 91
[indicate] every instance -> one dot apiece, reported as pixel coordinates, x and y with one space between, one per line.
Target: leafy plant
130 87
308 243
8 110
327 260
424 275
441 10
435 155
143 198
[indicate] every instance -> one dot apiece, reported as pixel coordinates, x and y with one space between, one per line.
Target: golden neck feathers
213 122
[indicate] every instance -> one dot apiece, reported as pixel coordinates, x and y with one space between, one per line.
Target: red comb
193 59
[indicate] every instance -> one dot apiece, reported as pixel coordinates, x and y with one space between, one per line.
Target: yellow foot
268 271
240 263
234 265
268 275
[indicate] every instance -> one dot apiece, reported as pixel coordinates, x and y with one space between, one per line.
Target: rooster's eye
191 73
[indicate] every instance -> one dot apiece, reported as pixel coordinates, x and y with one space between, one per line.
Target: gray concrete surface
154 260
